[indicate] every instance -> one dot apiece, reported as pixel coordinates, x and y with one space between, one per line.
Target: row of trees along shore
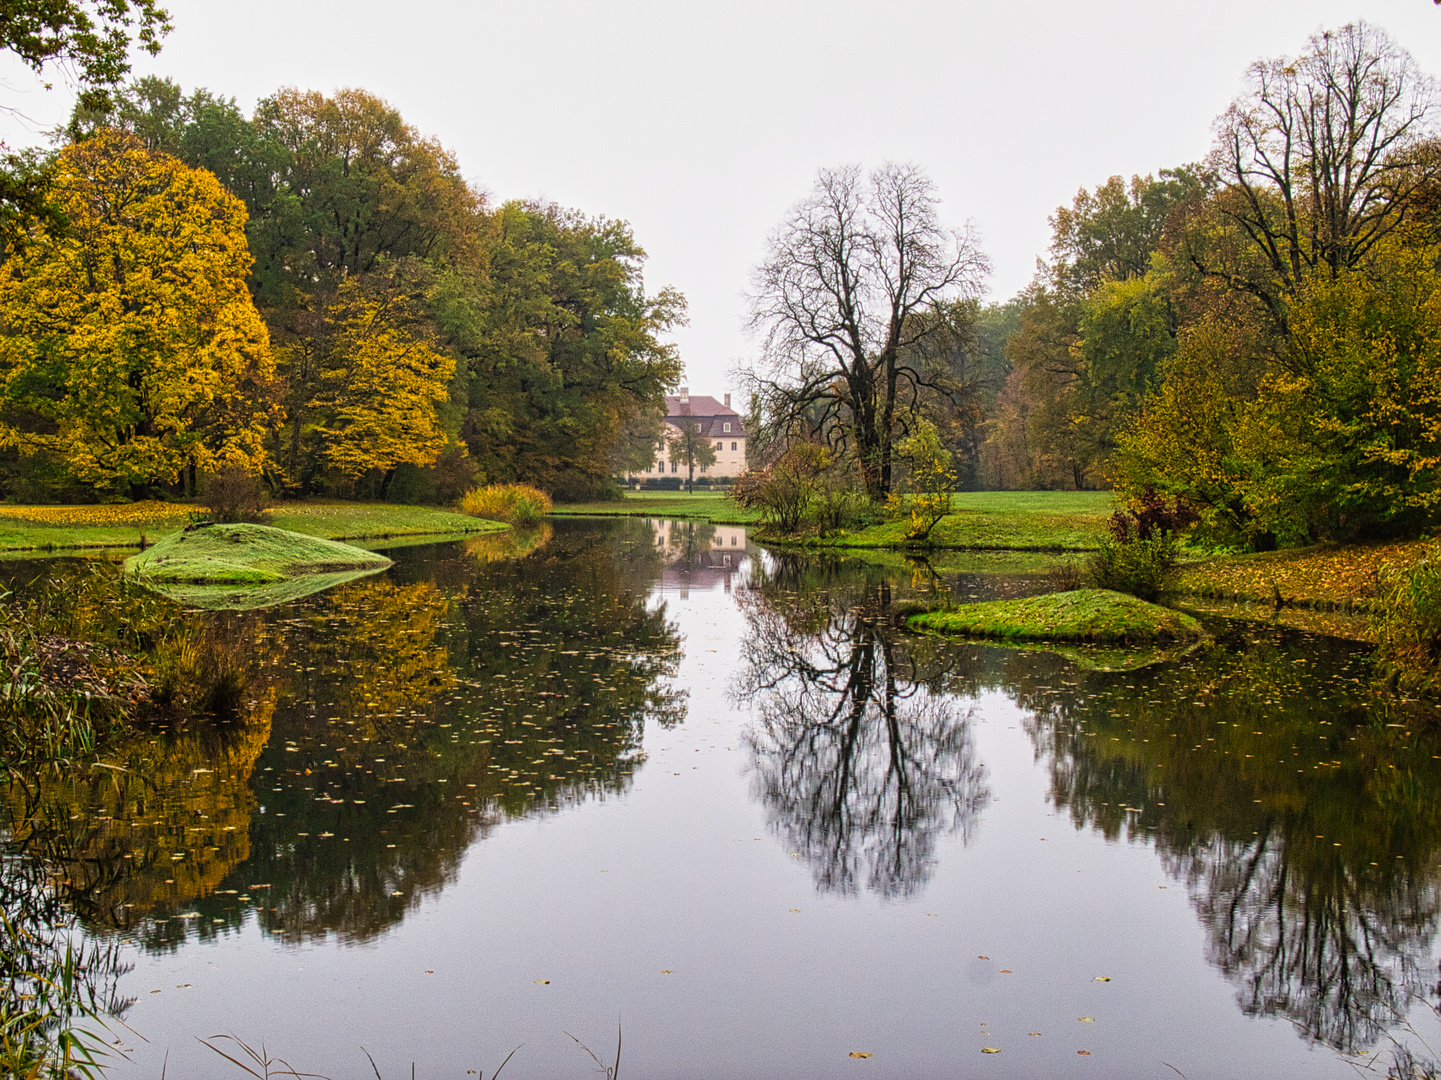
1258 333
315 293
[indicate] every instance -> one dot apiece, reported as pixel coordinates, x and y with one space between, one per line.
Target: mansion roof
711 413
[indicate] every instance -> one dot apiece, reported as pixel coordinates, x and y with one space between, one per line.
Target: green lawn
1001 521
29 528
701 506
983 521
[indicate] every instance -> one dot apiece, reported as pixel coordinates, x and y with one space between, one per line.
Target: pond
645 776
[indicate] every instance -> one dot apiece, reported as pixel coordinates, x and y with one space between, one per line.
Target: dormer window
726 429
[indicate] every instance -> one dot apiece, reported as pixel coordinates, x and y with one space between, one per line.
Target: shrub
518 504
1140 554
1406 618
575 486
1064 577
932 482
1139 567
784 492
234 494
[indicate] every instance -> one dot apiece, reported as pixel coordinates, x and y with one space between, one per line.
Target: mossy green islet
1093 615
245 556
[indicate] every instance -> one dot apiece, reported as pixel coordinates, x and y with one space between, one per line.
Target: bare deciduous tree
1326 152
856 278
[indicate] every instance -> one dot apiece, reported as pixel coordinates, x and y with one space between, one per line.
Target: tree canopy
131 347
422 337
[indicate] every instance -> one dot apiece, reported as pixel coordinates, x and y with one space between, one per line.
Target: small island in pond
1092 615
246 556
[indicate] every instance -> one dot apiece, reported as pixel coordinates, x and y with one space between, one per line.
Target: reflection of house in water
699 555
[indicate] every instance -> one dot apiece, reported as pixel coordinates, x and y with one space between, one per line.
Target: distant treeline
1258 333
341 312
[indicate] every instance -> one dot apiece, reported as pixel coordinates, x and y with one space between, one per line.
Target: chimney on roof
728 401
685 395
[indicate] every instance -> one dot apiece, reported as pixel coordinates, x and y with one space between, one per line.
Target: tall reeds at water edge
87 662
517 504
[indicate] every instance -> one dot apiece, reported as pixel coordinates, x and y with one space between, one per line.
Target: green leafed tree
562 344
691 447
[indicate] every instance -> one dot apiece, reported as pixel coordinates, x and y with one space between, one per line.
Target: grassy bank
983 521
1092 615
1000 521
31 528
245 555
1327 577
702 506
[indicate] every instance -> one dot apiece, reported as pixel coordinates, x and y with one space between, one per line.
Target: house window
733 446
726 429
702 468
719 446
673 465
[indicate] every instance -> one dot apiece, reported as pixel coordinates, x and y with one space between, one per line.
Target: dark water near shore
649 774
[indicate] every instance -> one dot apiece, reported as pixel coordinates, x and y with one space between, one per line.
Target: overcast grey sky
700 123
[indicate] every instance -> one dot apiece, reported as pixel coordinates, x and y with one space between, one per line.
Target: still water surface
646 774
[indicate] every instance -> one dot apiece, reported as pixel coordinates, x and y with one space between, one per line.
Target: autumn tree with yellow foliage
130 347
364 382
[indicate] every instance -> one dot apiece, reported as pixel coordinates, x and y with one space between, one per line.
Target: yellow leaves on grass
1334 576
115 516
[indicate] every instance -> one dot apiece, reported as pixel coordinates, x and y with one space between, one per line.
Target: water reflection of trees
1304 827
860 763
391 722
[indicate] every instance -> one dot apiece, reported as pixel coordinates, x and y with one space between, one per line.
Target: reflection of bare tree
1305 828
860 765
1338 960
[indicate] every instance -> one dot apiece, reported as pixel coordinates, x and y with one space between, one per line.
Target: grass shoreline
1324 577
129 526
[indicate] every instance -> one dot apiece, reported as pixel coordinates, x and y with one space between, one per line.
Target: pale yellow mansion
719 423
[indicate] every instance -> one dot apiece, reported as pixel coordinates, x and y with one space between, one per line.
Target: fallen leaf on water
155 991
1033 1033
429 972
860 1054
795 909
1102 978
542 982
1086 1052
990 1049
665 971
182 986
1005 971
1086 1019
983 958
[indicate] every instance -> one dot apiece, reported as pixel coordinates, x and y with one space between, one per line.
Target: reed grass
517 504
